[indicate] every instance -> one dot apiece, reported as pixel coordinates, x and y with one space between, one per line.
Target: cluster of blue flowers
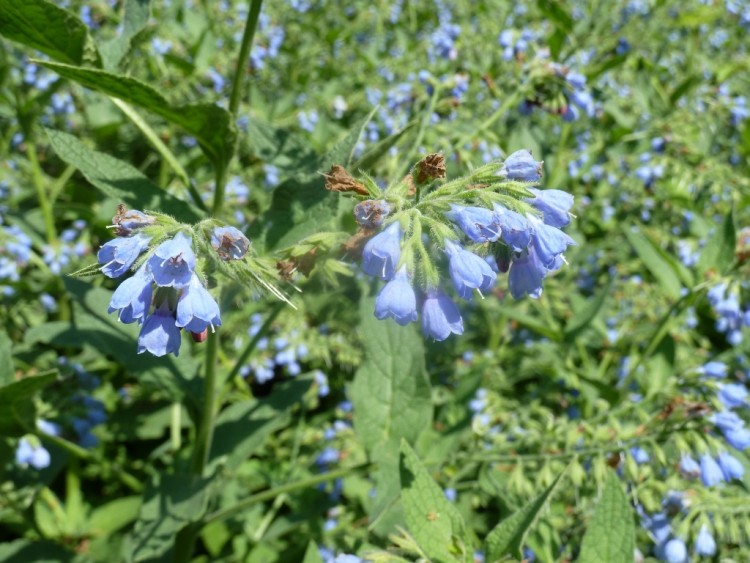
527 247
730 316
166 293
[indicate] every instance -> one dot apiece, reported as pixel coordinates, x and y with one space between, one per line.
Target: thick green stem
204 436
41 192
247 42
230 511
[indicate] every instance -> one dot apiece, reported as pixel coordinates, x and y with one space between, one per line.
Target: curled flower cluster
526 246
166 294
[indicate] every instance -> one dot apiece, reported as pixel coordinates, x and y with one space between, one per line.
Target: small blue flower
516 229
229 243
549 243
640 455
133 297
382 252
730 466
159 334
526 275
479 224
196 309
468 271
554 204
35 456
173 262
675 551
132 219
689 467
705 544
118 255
522 167
711 473
371 213
397 300
732 395
440 316
717 370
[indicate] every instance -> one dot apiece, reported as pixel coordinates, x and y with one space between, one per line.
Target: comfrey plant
490 222
167 293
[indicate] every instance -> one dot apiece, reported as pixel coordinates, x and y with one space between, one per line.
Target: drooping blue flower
716 370
36 456
731 467
675 551
554 204
526 275
705 544
397 300
229 243
639 455
125 223
173 262
689 467
515 228
549 243
196 309
119 254
159 333
732 395
440 316
382 252
468 271
133 297
738 438
711 473
522 167
479 223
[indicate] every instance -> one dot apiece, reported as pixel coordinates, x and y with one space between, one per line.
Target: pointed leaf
508 537
718 254
611 533
433 521
587 314
17 412
44 26
661 266
210 124
118 179
137 14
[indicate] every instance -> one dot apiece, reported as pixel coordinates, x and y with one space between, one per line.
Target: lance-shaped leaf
43 26
17 412
210 124
137 13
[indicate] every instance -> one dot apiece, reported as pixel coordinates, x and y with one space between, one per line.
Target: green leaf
137 14
583 318
44 26
390 391
7 371
718 254
170 503
118 179
611 533
243 427
301 206
433 521
555 11
114 515
210 124
39 551
312 555
17 411
281 147
507 538
661 266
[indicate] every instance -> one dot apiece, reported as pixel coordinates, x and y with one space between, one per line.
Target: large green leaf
210 124
137 14
243 427
114 515
44 26
433 521
170 503
281 147
611 533
17 412
390 391
119 179
507 538
7 372
718 254
658 262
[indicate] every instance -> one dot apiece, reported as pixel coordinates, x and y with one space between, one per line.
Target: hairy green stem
247 42
230 511
204 435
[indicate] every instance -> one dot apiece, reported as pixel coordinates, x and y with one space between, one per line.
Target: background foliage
558 428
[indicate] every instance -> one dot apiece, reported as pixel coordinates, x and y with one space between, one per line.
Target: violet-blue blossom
731 467
382 252
526 275
515 228
554 204
397 300
440 316
522 167
705 544
479 223
36 456
159 333
173 262
133 297
711 473
468 271
549 243
196 309
119 254
229 243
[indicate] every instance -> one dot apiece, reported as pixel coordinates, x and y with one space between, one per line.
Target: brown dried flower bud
339 180
430 167
356 243
303 264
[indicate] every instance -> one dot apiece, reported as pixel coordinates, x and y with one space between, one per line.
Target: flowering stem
310 482
247 41
44 202
204 435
